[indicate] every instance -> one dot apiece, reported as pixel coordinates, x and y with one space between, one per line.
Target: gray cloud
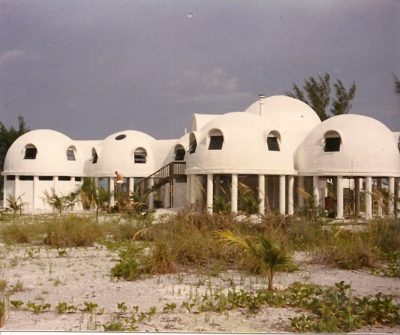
94 67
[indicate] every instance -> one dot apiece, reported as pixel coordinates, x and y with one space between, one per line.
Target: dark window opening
140 156
332 144
10 177
25 177
64 178
94 156
70 155
78 178
45 177
273 143
120 137
192 147
216 142
30 153
398 144
180 154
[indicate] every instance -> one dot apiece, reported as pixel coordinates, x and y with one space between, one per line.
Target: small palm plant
16 204
269 255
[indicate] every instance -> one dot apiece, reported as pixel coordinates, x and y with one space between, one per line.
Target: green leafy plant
38 308
17 304
63 307
269 255
90 307
16 204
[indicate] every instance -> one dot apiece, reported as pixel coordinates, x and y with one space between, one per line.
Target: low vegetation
213 243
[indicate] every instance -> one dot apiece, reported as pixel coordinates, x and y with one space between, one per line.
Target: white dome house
240 148
352 147
39 161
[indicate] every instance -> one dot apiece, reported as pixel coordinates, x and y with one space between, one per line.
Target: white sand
84 275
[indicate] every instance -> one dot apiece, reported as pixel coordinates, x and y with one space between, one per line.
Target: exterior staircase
168 174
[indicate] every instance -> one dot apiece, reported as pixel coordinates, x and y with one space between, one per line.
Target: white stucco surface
51 156
368 148
118 155
244 149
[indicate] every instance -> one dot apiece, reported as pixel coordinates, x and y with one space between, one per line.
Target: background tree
317 94
397 84
7 137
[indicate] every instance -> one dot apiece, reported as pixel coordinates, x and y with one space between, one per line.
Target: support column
380 197
357 196
391 197
35 190
398 198
299 194
55 184
5 191
234 194
261 194
316 191
193 188
151 195
339 197
282 195
111 189
291 195
131 185
368 198
167 195
188 187
16 188
210 193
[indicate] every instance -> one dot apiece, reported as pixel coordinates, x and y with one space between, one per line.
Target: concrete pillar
167 195
300 197
291 195
368 198
188 189
112 191
5 192
151 195
316 191
35 191
380 197
339 197
357 188
55 184
210 193
282 195
16 188
193 189
398 198
131 185
96 182
234 194
391 197
261 194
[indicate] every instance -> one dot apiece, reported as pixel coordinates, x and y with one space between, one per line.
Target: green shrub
132 263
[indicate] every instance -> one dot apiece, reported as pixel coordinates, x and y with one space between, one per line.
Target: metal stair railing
161 177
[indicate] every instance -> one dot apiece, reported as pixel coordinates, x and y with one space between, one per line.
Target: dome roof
363 147
244 147
129 152
294 118
44 152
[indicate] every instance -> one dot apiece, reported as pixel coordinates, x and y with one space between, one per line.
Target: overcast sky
89 68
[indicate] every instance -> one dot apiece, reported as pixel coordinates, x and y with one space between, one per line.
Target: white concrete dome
294 118
44 152
349 145
242 149
129 152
